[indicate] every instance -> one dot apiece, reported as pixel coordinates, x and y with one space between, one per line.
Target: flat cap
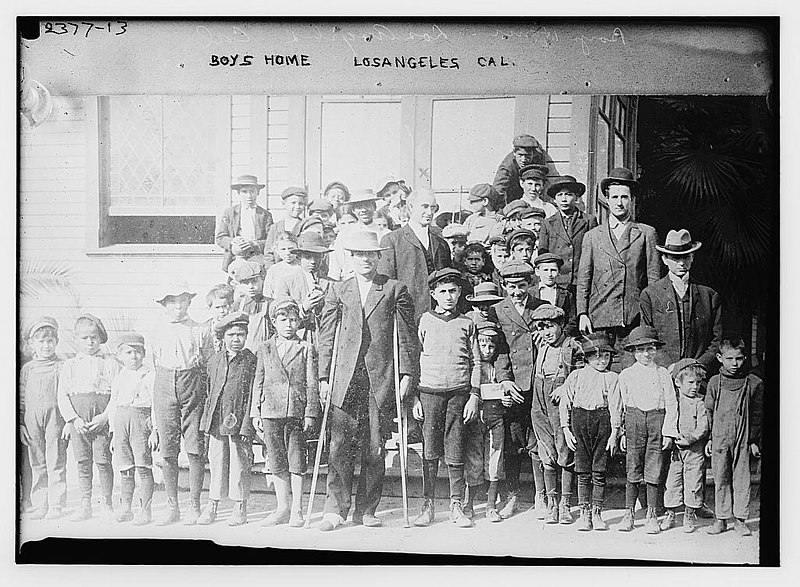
548 258
42 322
519 234
488 328
683 363
514 207
516 269
441 274
532 211
320 205
130 339
525 142
244 270
293 191
548 312
97 323
496 240
282 304
454 229
483 190
534 172
232 319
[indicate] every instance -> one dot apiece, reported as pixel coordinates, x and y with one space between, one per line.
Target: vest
684 306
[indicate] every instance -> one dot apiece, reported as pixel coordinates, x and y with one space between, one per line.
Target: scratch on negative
65 51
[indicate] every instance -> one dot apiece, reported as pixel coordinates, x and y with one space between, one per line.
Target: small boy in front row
734 408
651 422
84 392
285 407
42 425
134 436
687 467
590 410
226 420
449 393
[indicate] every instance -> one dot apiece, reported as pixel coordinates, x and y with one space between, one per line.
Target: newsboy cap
514 207
548 312
294 191
447 273
548 258
525 142
244 270
487 328
232 319
531 212
320 205
516 269
683 363
520 233
483 190
534 171
133 339
282 304
42 322
454 229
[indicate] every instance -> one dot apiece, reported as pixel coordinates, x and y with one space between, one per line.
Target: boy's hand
79 425
512 389
623 443
611 445
324 389
538 338
314 298
66 431
416 411
667 443
152 440
569 438
755 451
585 324
506 401
471 409
405 386
98 421
309 426
24 437
708 449
555 394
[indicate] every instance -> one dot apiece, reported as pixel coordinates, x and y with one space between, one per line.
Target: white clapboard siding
559 129
277 152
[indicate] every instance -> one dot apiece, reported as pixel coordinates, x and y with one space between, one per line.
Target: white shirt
548 294
548 208
618 226
289 223
422 234
520 308
364 285
248 223
680 284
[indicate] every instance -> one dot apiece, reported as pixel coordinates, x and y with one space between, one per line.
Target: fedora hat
485 292
362 240
679 242
621 176
642 335
595 342
246 180
565 182
359 196
311 242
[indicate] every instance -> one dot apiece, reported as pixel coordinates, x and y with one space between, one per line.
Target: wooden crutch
401 428
323 426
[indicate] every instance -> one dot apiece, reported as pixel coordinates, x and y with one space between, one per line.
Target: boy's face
346 219
732 360
532 188
547 273
131 356
220 307
457 245
286 324
446 295
477 206
295 205
323 215
309 261
43 344
88 340
487 346
645 353
364 211
482 309
690 385
619 200
365 263
522 250
514 222
516 289
248 195
254 286
550 329
381 223
533 223
286 251
234 338
499 256
523 157
678 265
565 201
599 361
474 262
335 196
176 308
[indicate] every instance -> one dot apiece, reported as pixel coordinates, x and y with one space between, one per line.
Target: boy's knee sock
127 486
170 468
643 495
652 494
491 494
106 481
550 480
430 469
85 478
631 493
197 471
145 486
567 480
585 488
457 482
538 475
472 491
297 493
598 487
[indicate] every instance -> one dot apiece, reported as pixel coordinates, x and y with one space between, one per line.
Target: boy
226 420
243 228
687 467
555 358
532 179
531 219
456 236
527 150
547 266
521 245
734 407
449 392
285 407
651 420
484 296
249 276
515 365
84 391
180 351
43 429
322 209
286 251
294 202
498 252
131 421
510 221
219 300
483 201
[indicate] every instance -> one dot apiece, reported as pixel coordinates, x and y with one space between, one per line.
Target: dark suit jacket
235 420
287 388
608 287
367 333
553 238
229 225
405 261
506 179
515 362
658 304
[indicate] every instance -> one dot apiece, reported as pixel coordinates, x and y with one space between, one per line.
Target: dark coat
658 304
553 238
515 361
367 333
234 416
229 225
608 287
506 179
405 261
287 388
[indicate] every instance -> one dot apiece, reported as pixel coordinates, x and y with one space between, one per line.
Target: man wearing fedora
687 315
362 204
562 234
618 260
368 304
242 229
526 151
415 251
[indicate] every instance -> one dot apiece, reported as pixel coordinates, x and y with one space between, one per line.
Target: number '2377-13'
115 27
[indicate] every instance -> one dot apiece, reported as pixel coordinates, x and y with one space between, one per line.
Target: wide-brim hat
98 324
232 319
596 342
362 240
621 176
362 197
176 289
642 335
565 182
42 322
311 242
679 242
246 180
133 339
486 292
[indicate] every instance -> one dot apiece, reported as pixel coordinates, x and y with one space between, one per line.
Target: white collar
614 222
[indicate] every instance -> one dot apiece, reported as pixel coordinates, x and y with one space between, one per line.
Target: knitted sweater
450 357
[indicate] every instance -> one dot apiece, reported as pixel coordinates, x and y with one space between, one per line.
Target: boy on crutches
362 403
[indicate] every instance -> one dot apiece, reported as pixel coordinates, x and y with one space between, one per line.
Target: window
164 168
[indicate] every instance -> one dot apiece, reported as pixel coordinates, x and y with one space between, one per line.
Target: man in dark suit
527 151
242 229
686 315
416 250
362 390
562 234
618 260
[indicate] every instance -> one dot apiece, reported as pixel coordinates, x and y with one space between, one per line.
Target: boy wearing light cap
226 420
521 245
532 179
483 203
42 426
285 407
180 348
84 391
134 437
456 236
